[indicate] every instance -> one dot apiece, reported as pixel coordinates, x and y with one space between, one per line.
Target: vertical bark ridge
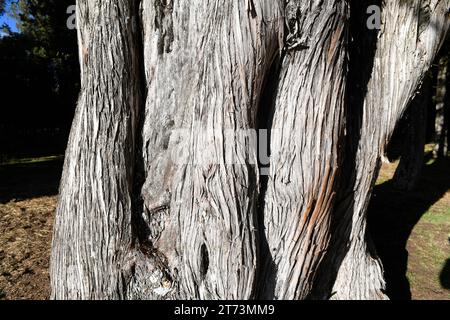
411 35
307 132
93 235
205 68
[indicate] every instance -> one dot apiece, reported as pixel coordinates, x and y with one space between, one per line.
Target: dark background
39 78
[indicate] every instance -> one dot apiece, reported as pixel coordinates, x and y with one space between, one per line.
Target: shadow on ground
30 180
392 217
445 275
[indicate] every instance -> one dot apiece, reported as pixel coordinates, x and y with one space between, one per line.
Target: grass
412 232
437 216
429 253
32 160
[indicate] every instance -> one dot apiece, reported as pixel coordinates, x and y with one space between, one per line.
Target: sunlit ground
411 230
418 221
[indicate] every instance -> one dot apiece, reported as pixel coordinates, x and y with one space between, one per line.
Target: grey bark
306 141
411 35
93 227
190 232
150 206
206 62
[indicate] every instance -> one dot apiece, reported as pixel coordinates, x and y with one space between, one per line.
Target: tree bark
411 35
206 62
93 227
161 196
306 139
133 221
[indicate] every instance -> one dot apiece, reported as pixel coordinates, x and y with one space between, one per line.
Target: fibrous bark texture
205 67
411 35
93 231
190 229
162 195
306 138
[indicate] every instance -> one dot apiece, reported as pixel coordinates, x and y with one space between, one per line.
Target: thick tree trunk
412 33
161 196
206 62
414 139
93 227
136 220
306 140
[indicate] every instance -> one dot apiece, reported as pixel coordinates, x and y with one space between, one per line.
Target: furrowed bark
205 67
93 227
411 35
307 132
160 198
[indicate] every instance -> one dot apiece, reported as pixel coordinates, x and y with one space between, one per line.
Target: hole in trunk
204 261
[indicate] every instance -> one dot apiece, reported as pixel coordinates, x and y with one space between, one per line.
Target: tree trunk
306 139
93 227
411 35
133 220
442 108
206 62
414 139
161 196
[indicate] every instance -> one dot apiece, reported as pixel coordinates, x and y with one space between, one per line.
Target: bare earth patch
429 250
411 231
25 238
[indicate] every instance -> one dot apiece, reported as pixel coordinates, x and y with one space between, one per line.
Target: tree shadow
30 180
392 217
444 277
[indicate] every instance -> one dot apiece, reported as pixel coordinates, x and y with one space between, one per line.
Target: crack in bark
164 25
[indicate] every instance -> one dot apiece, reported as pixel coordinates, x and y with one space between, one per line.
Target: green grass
428 255
437 215
413 281
412 230
32 160
431 161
